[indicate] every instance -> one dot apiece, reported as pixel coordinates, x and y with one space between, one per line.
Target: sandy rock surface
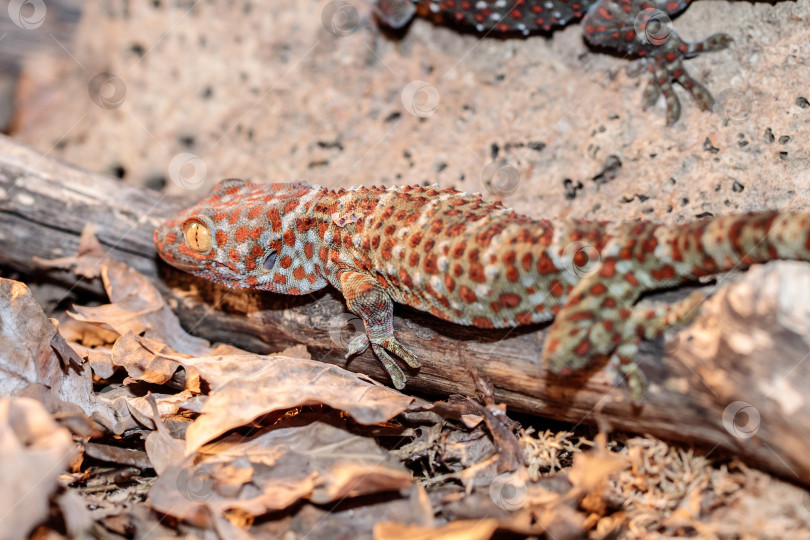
183 94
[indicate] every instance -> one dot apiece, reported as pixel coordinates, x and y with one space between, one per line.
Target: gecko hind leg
649 323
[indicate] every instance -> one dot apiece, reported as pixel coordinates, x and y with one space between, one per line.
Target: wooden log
734 380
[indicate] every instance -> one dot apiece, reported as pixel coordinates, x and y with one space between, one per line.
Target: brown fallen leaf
247 387
274 469
135 304
474 529
35 451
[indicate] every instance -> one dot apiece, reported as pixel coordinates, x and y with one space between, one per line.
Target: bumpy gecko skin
470 262
636 28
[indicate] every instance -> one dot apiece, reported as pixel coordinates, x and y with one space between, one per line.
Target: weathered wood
744 357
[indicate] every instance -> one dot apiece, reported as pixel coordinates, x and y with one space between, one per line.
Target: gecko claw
357 345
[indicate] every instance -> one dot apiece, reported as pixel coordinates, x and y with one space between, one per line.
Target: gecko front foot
381 347
642 28
367 299
667 66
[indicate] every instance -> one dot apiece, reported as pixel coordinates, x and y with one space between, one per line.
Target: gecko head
247 235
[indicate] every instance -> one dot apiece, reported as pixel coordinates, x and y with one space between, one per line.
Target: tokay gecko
635 28
469 261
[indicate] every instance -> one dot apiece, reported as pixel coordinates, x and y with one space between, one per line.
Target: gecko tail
736 242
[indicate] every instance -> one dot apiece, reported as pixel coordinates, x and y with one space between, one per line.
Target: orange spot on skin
234 255
252 281
477 273
608 269
583 347
598 289
545 265
467 294
241 234
274 218
289 238
386 250
430 264
233 218
664 273
299 273
557 288
405 279
254 212
482 322
222 238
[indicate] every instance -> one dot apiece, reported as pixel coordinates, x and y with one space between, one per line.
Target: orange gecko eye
198 236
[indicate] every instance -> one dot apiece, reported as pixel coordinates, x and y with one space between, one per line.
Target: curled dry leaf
473 529
135 304
35 359
247 387
274 469
35 451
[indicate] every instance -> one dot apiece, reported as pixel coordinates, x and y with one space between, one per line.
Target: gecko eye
269 261
198 236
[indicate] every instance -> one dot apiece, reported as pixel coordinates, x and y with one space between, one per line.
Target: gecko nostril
269 261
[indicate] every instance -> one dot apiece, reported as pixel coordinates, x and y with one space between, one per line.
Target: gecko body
469 261
631 28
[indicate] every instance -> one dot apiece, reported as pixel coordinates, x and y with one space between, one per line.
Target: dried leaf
163 449
137 306
35 451
117 454
274 469
474 529
247 387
